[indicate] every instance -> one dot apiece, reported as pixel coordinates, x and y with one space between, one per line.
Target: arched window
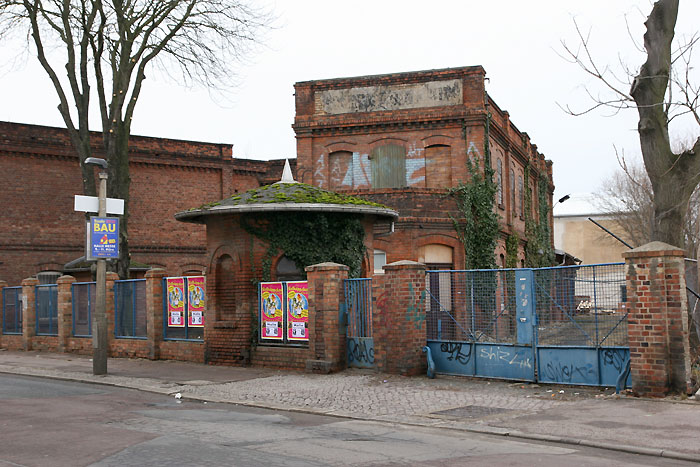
287 270
522 196
499 181
512 190
438 166
388 166
341 174
224 286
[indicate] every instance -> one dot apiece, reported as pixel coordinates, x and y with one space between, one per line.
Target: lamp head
96 161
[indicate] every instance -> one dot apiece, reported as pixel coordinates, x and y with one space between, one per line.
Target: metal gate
358 303
558 325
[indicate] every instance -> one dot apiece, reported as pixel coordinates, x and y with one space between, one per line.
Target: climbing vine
538 250
512 242
477 225
309 238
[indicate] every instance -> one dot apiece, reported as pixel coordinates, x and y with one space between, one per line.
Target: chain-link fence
581 305
46 310
474 305
11 310
130 308
83 295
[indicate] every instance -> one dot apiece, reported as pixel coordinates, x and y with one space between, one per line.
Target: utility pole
99 320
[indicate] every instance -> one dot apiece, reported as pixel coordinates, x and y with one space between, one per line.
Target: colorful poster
196 299
175 289
271 314
104 237
298 311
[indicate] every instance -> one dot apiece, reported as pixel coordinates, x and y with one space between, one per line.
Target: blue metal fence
83 300
360 343
11 310
46 301
130 309
562 324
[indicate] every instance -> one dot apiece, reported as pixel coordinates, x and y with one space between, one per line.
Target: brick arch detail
435 140
341 146
383 141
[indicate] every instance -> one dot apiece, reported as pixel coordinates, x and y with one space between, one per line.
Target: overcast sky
515 41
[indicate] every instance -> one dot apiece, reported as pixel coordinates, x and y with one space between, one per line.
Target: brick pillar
28 311
109 308
65 311
657 320
3 284
326 338
399 318
154 311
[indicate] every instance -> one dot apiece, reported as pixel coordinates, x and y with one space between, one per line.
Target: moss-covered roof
282 196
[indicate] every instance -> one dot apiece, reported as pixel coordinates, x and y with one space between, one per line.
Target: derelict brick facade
437 120
40 231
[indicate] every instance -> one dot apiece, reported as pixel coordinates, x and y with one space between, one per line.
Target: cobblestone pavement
577 415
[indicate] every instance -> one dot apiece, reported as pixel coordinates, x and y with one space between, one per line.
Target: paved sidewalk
575 415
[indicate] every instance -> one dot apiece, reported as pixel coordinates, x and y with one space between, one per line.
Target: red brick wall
40 231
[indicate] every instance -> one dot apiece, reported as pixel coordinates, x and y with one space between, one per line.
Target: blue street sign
104 237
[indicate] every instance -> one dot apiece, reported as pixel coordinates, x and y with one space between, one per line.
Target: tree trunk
117 147
673 176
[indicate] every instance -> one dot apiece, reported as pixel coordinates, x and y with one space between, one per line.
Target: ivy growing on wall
512 242
538 250
309 238
477 225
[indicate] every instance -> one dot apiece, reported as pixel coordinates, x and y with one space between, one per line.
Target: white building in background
576 235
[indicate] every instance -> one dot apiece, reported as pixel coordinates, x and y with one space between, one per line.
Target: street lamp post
99 320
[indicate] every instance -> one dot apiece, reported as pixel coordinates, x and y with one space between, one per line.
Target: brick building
401 140
40 231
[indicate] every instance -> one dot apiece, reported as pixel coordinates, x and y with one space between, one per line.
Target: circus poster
271 310
298 311
175 289
196 300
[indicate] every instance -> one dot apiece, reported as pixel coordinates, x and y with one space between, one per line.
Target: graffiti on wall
415 313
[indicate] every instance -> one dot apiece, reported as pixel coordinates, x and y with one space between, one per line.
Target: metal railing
11 310
130 309
46 301
83 300
358 297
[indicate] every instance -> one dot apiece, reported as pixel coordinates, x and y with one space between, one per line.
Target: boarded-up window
437 166
389 166
499 182
341 175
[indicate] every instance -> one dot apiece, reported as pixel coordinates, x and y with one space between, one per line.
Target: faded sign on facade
396 97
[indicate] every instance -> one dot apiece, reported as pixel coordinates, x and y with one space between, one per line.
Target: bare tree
661 90
627 197
104 48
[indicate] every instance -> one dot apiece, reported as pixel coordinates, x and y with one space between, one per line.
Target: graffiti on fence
415 312
508 356
454 351
361 351
615 358
569 372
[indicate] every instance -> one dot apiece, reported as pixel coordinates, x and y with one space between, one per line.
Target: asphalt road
57 423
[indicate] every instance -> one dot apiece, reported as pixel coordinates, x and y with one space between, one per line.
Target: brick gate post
3 284
154 311
326 337
28 311
65 311
658 319
399 319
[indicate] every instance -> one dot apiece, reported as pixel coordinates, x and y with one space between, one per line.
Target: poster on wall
196 299
271 314
175 289
298 311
